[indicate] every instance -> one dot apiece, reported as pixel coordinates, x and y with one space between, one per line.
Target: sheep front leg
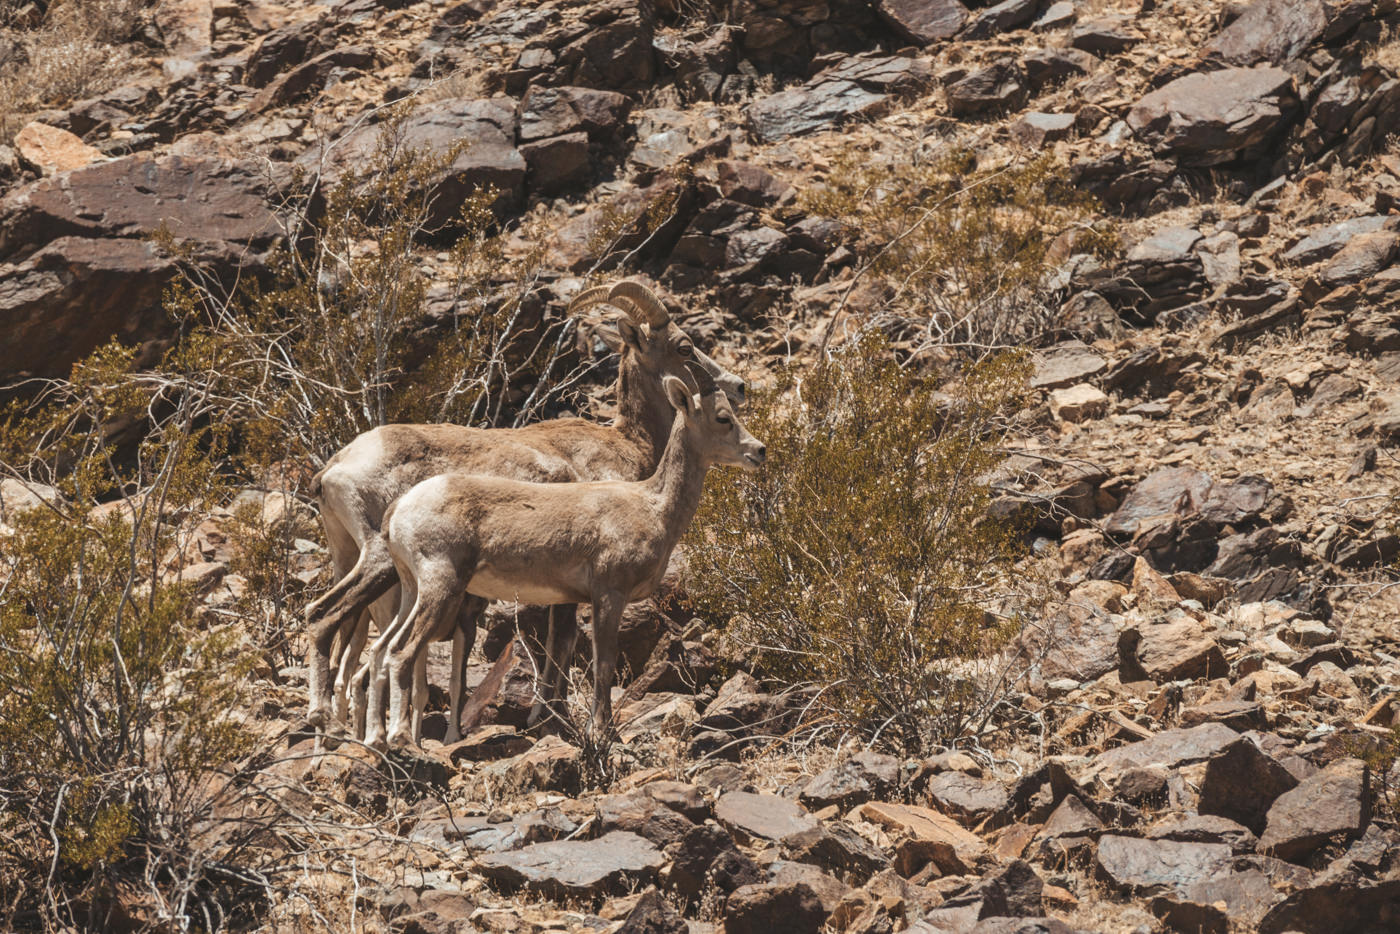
607 617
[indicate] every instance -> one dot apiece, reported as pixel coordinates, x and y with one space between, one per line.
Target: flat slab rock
610 863
1209 117
1169 749
1155 866
763 817
1065 364
1333 802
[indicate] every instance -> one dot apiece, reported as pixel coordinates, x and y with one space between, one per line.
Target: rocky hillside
1204 734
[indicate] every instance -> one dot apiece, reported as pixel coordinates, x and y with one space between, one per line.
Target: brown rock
1106 35
1036 129
551 765
653 915
1335 802
557 164
994 88
771 908
969 799
1345 906
1213 906
1169 750
1209 118
639 813
926 836
864 776
1204 828
835 846
1273 31
1171 491
1171 649
706 856
549 112
575 868
762 817
1078 403
1147 867
923 21
49 149
1237 714
1065 364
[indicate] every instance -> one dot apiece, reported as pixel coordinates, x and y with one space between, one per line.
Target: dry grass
80 48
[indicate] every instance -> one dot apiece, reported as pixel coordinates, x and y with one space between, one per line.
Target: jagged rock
860 778
750 184
490 161
1046 66
1322 243
1363 256
1078 403
1204 828
1014 891
762 817
653 915
49 149
1170 649
969 799
309 75
1335 802
547 112
1147 867
1175 491
836 847
994 88
575 868
1340 907
1057 15
551 765
1070 819
1207 119
923 21
1108 35
806 109
557 164
1273 31
926 836
830 890
1169 749
639 813
1211 905
705 856
1007 15
1242 782
1037 129
1237 714
700 67
771 908
617 54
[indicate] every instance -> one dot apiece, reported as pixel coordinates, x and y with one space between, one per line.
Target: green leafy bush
860 558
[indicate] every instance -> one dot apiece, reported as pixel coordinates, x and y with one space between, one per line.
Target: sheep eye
723 419
685 350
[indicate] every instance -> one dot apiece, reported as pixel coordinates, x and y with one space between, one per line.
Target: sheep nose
763 452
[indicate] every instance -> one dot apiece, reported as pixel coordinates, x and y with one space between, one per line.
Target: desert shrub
958 250
118 716
74 49
860 558
359 324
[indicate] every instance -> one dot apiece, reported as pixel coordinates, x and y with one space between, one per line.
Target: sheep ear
609 335
629 334
678 394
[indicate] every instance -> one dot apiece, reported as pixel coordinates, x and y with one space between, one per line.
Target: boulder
860 778
762 817
1203 828
967 798
772 908
653 915
1273 31
1078 403
639 813
837 848
1007 15
1210 118
557 164
1149 867
488 160
807 109
50 149
1218 904
1323 242
995 88
575 868
1036 129
923 22
706 856
1065 364
1107 35
1171 649
547 112
1171 491
1242 782
1345 906
925 836
1333 803
1170 749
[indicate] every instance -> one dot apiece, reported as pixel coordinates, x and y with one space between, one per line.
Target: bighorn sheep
365 477
546 543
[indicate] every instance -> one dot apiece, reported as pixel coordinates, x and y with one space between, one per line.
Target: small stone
1078 403
50 150
574 868
1036 129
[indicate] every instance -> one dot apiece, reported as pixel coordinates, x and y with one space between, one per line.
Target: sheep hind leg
462 642
440 595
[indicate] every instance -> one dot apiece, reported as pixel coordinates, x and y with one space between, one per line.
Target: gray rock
1273 31
1007 15
1047 66
1065 364
1335 802
1215 905
1169 749
1175 491
807 109
863 777
762 817
773 908
1204 828
1108 35
576 868
1242 782
1322 243
1210 118
994 88
1037 129
1148 867
549 112
923 21
967 798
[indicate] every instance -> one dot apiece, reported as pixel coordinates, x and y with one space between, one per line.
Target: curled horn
643 299
598 295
